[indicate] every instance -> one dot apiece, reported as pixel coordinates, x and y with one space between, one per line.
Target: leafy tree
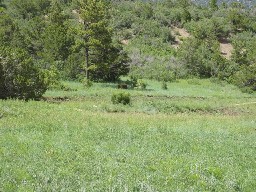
239 18
19 75
30 35
143 10
202 58
244 52
245 78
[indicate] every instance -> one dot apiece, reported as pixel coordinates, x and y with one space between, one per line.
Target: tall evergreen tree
103 59
55 39
95 31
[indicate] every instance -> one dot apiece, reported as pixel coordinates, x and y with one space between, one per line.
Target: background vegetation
181 124
107 39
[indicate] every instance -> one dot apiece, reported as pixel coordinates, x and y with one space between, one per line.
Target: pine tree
55 39
95 32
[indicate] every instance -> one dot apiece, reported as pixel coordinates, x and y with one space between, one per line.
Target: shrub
134 81
245 78
87 83
20 77
121 98
244 52
201 58
141 84
164 85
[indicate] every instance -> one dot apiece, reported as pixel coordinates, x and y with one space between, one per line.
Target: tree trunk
86 39
87 62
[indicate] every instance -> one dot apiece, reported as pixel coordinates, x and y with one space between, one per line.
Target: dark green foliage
213 5
143 10
121 98
134 81
7 29
29 8
141 84
87 83
213 28
20 77
164 85
56 38
244 48
82 38
245 78
238 18
111 64
201 58
104 60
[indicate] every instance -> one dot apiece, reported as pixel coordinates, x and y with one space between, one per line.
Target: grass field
196 136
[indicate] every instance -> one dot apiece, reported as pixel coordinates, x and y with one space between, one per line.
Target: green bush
121 98
87 83
132 81
244 52
201 58
20 77
245 78
164 85
141 84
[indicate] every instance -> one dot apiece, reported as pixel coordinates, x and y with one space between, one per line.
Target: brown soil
179 34
226 48
125 42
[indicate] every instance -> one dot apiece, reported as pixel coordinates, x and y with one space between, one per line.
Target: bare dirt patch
226 47
125 42
179 34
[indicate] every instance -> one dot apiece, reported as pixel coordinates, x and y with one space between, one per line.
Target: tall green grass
80 141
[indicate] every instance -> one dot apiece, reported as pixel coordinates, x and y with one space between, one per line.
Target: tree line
149 27
43 41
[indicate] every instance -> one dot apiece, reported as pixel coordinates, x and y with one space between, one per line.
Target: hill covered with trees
45 41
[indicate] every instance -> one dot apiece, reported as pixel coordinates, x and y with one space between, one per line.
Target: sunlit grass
186 138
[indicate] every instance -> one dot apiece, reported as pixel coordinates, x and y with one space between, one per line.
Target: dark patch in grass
56 99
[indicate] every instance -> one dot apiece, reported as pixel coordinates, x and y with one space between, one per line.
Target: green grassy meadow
198 135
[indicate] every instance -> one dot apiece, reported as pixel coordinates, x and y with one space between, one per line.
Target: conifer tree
56 43
95 32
